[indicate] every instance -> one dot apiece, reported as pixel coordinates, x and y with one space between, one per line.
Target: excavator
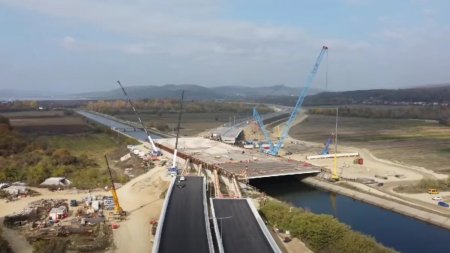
119 213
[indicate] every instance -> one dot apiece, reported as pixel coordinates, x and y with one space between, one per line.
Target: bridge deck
269 169
185 227
232 160
238 229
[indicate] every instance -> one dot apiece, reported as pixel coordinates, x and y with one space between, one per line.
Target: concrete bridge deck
239 228
230 160
184 224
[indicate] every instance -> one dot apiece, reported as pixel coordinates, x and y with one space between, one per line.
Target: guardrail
216 227
205 211
263 227
162 217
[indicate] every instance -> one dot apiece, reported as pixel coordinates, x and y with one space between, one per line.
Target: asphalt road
137 134
184 228
241 232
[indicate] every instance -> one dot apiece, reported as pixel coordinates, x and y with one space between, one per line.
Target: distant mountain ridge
13 94
194 92
431 94
276 94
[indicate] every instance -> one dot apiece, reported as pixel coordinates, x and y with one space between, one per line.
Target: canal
393 230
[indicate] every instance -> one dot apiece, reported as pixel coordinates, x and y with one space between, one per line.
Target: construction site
199 197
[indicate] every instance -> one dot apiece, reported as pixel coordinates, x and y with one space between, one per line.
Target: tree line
159 106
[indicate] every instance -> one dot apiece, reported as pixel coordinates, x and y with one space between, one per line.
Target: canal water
137 134
393 230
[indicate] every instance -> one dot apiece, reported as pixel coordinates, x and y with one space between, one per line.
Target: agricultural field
46 122
421 143
191 123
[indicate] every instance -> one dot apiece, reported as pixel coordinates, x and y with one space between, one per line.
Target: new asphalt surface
184 228
241 232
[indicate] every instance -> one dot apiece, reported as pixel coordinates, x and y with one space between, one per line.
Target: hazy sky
85 45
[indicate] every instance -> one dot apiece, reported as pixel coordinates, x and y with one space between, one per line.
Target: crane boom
258 119
117 208
326 150
300 100
154 148
174 163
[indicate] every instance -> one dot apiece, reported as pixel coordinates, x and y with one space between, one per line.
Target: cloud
357 2
169 25
69 42
390 34
187 37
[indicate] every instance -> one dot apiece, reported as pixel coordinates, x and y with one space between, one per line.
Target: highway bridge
184 224
239 228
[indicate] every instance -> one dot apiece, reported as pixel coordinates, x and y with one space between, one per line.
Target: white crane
155 150
174 168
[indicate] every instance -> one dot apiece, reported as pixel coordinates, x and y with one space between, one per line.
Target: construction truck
118 213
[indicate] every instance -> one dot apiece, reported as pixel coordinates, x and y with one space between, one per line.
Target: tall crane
326 150
155 150
274 151
334 174
258 119
174 161
117 208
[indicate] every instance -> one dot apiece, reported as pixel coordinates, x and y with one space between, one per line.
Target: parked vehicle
437 198
73 202
443 204
433 191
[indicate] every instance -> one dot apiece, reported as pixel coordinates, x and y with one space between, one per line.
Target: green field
94 145
414 142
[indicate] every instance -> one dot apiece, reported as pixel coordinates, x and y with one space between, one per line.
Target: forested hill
196 92
439 94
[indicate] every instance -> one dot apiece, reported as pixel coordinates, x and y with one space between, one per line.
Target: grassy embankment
79 157
424 185
413 142
321 233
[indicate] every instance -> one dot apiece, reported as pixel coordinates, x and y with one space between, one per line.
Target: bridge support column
217 184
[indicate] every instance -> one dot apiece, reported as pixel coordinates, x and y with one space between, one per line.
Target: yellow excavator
118 211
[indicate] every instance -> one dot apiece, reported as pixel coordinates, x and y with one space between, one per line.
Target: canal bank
394 230
390 205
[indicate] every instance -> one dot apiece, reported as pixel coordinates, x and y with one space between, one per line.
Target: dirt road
141 198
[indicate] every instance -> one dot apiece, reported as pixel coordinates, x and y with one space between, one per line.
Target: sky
86 45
